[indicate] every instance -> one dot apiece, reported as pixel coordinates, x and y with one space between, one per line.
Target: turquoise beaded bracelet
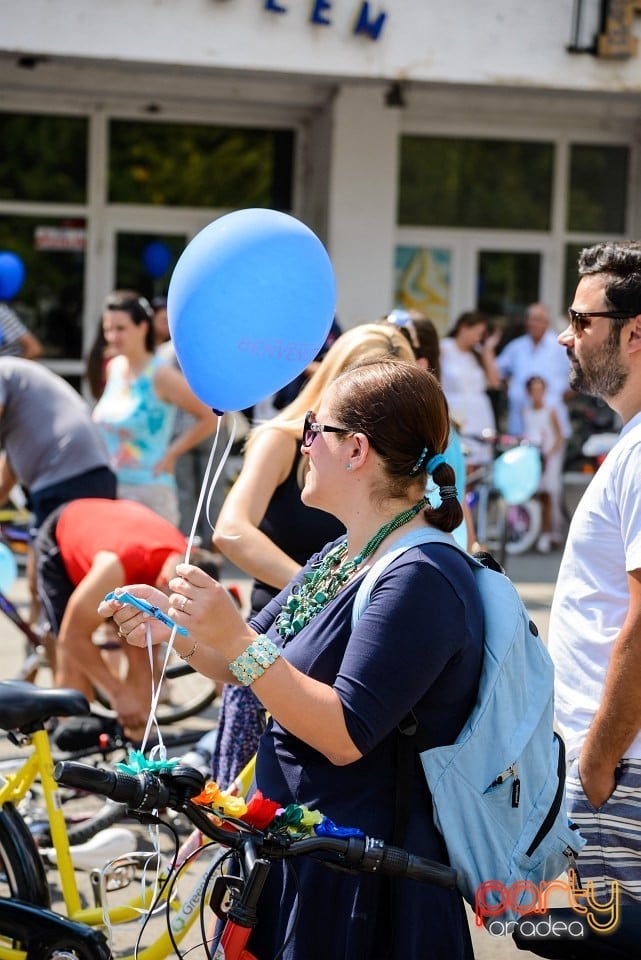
252 662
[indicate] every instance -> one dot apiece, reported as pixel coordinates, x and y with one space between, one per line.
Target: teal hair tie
435 462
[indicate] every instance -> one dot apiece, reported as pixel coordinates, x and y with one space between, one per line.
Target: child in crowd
542 427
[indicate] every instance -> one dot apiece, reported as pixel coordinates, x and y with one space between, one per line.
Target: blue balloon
12 274
157 258
517 473
250 303
8 568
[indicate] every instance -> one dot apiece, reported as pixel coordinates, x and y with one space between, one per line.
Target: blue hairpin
419 463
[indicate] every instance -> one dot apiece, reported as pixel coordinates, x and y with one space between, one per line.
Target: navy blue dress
417 646
299 531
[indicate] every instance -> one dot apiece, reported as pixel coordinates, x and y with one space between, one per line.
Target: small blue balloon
12 274
8 568
157 258
250 303
517 473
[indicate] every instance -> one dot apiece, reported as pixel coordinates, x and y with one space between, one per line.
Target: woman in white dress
468 370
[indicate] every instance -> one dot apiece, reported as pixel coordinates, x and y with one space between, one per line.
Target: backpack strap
407 747
412 539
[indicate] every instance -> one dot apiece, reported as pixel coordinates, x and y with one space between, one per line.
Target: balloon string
221 466
155 695
156 689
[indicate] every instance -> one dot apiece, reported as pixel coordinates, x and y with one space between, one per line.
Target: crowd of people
376 440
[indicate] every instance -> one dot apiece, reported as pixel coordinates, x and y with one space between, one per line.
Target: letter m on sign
367 25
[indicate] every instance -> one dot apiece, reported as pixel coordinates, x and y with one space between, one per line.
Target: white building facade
449 156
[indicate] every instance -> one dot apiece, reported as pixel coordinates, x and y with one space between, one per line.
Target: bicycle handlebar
141 791
148 791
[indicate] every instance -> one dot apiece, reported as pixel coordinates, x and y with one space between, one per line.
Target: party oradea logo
531 902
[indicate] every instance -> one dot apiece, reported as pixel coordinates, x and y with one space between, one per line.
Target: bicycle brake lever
147 607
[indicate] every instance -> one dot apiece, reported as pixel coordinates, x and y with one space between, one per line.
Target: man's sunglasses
311 428
581 321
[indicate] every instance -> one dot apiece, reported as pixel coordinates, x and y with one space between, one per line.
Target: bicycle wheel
523 526
86 828
496 526
22 872
186 693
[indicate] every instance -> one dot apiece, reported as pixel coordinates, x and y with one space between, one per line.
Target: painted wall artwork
423 281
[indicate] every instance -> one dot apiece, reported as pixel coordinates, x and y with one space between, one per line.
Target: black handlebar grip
399 862
142 791
431 872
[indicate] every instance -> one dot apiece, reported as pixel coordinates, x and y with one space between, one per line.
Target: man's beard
602 374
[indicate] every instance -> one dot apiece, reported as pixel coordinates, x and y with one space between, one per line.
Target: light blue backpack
499 790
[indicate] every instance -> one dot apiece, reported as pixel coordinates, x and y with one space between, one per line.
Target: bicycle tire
523 527
496 526
108 814
22 871
187 693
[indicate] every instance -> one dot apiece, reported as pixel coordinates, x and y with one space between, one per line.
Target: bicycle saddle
23 705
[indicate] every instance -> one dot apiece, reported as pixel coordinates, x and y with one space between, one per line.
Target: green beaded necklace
322 584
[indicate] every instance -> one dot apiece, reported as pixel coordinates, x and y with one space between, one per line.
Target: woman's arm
8 478
171 386
311 710
267 464
488 359
556 429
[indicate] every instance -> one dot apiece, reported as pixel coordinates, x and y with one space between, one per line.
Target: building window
492 184
50 302
192 165
597 196
43 158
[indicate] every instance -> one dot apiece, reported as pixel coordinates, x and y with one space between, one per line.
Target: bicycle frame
39 765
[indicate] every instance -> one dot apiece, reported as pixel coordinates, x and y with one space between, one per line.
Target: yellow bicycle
29 928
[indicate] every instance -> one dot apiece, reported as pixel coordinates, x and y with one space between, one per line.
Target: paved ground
534 575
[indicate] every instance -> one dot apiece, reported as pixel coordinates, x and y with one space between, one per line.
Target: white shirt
521 359
464 384
591 598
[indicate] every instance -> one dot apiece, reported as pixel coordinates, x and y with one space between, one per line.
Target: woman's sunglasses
311 428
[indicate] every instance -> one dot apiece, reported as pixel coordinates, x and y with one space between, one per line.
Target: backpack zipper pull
502 777
516 788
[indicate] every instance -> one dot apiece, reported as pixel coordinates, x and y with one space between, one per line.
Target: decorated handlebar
280 832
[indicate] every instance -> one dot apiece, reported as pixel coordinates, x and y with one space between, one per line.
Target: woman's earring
348 467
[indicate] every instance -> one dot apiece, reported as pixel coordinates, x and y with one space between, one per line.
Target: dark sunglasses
581 321
311 428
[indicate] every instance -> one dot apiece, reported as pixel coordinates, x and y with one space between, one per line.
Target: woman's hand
132 623
166 464
204 607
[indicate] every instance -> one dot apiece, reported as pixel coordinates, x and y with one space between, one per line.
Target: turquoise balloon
250 303
8 568
517 473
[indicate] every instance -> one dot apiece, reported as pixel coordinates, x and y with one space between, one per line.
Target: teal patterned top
135 423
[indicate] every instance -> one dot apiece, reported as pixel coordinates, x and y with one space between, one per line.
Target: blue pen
147 607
